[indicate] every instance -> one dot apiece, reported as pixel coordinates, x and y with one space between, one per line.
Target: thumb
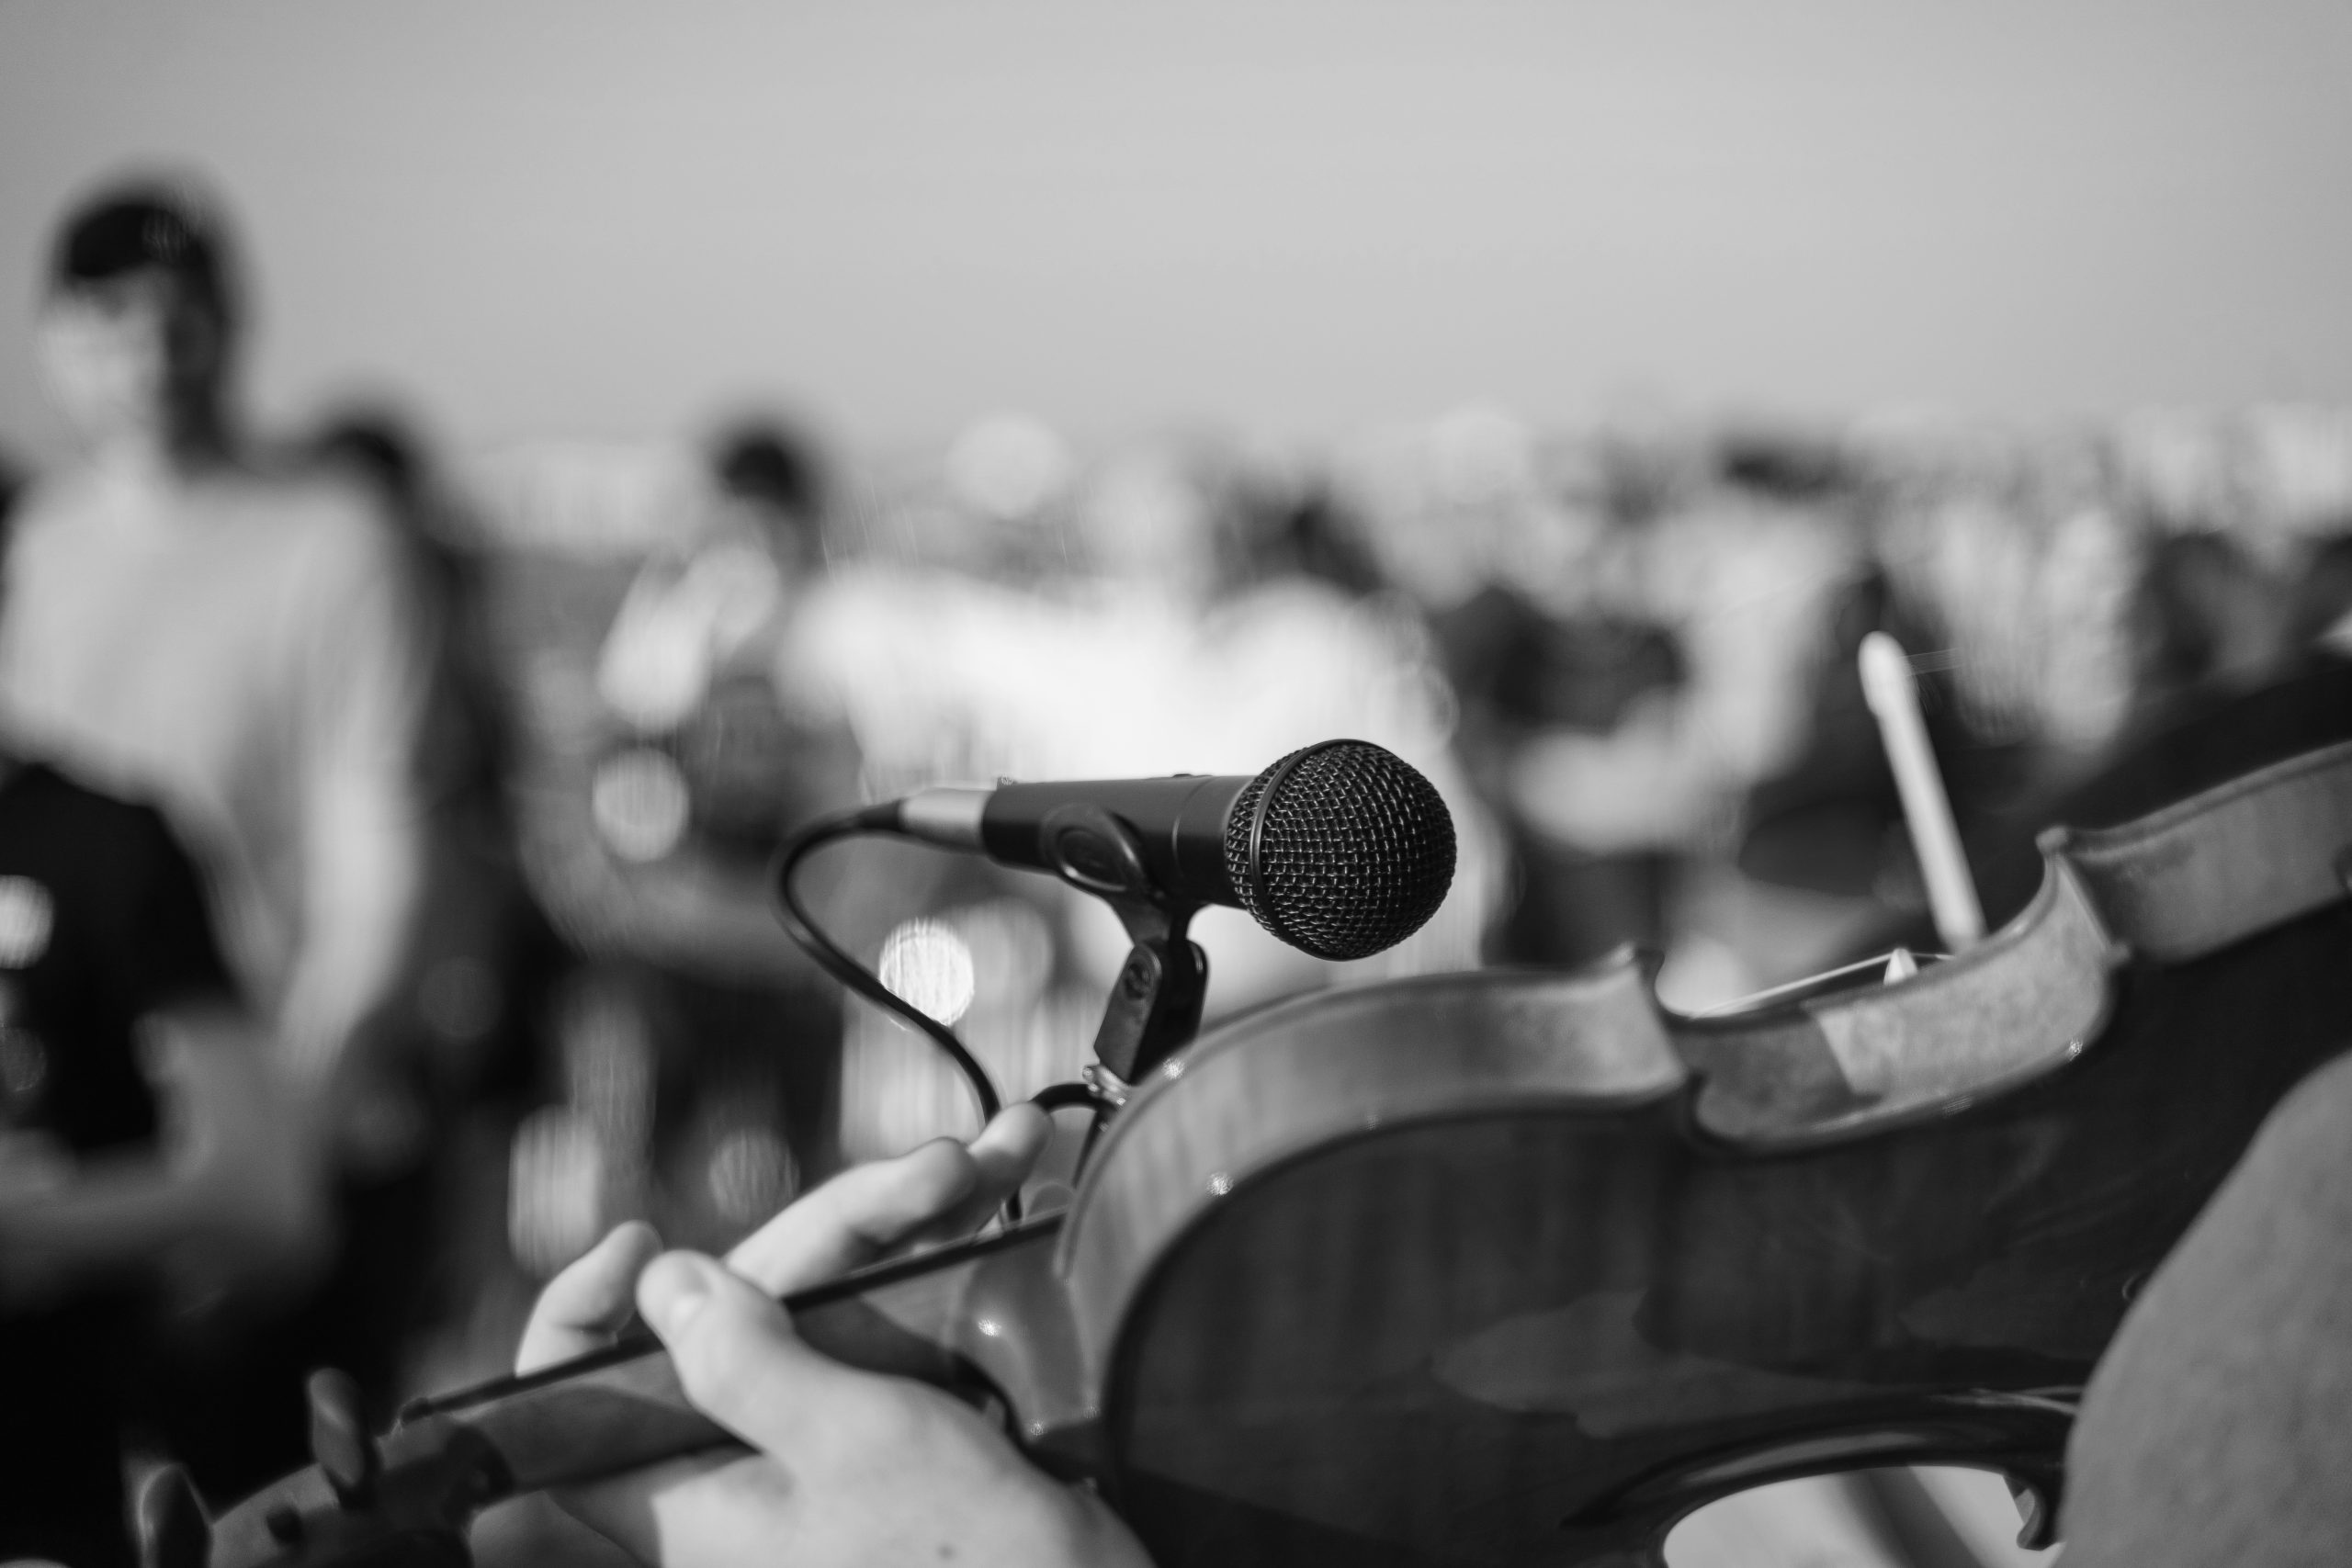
740 1362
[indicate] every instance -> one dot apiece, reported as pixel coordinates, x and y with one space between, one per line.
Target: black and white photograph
1038 785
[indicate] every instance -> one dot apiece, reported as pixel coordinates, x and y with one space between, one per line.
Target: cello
1508 1268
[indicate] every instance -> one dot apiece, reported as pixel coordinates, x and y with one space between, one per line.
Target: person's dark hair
146 226
762 462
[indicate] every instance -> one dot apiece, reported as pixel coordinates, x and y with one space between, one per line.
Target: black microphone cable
802 928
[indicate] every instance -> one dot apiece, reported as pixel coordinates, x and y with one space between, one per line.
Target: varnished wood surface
1579 1325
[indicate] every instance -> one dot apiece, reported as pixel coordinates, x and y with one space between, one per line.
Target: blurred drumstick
1894 696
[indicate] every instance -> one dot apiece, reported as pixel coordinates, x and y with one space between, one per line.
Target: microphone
1340 849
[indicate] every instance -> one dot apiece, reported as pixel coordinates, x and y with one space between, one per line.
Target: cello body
1507 1268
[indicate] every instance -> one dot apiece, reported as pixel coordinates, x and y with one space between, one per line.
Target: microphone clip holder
1155 1004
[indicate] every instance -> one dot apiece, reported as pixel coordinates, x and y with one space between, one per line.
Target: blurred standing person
245 642
239 644
478 937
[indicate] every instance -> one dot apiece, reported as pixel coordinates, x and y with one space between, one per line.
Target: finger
1003 1157
741 1363
942 1189
1008 1145
855 1217
583 1306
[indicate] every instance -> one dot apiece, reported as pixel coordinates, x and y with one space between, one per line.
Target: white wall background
599 217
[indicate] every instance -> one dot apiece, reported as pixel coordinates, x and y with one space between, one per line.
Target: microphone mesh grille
1357 850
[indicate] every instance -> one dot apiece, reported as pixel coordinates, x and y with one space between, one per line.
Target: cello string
1811 982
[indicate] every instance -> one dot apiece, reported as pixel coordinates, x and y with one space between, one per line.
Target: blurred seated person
708 751
696 670
240 645
720 744
692 618
148 1166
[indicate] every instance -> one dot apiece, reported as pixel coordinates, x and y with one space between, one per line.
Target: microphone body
1339 849
1179 826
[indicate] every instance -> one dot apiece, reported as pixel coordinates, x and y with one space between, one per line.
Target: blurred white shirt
248 653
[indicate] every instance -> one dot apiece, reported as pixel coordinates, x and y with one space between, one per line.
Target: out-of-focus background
786 406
